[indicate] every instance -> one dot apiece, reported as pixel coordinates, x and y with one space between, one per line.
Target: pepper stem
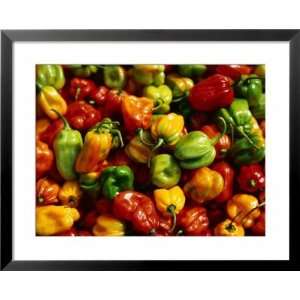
77 93
118 133
171 210
158 144
243 133
252 183
178 99
219 136
251 211
140 133
40 200
66 124
180 232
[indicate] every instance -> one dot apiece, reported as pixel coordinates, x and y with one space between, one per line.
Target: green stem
118 133
243 133
178 99
66 124
77 93
251 211
180 232
159 143
219 136
140 133
171 209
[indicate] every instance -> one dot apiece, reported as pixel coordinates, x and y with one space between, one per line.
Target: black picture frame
8 37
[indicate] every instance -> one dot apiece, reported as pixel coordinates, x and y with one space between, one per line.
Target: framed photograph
150 149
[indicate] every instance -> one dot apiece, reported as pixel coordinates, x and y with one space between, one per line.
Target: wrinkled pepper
170 202
192 70
46 191
164 171
50 133
50 75
67 145
89 183
70 194
116 179
40 127
229 228
138 209
107 225
49 99
112 107
44 159
52 219
81 88
161 96
83 70
114 77
259 227
205 185
180 86
148 74
233 71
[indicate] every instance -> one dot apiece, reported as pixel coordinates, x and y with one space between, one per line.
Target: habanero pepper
233 71
229 228
50 133
44 159
180 86
107 225
148 74
98 96
138 209
83 70
81 88
114 77
259 227
112 107
41 126
70 194
50 75
46 191
192 70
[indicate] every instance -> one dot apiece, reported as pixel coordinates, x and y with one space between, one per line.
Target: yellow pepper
108 226
229 228
243 209
205 185
52 219
48 99
70 193
170 201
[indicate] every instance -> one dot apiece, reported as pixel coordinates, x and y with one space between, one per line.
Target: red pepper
259 226
251 178
227 173
113 104
103 206
50 133
81 88
216 213
82 115
165 225
83 233
233 71
89 220
211 93
138 209
224 143
119 158
193 221
99 95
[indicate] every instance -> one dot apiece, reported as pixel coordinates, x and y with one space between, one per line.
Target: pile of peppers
154 150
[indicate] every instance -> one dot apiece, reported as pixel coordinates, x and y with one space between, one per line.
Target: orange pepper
46 191
229 228
44 158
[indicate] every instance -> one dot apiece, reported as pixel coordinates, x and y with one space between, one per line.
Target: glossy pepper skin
180 86
148 74
50 75
70 194
53 219
83 70
193 221
192 70
205 185
81 88
211 93
114 77
259 227
164 171
229 228
107 225
46 191
82 115
137 113
242 208
161 96
228 173
251 178
49 99
89 183
67 145
41 126
116 179
44 159
233 71
50 133
138 209
170 202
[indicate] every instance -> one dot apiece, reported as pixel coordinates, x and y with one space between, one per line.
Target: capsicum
180 86
229 228
192 70
107 225
83 70
50 133
114 77
148 74
50 75
44 159
70 194
89 183
46 191
81 88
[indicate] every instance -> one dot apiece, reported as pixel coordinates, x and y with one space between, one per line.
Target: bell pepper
138 209
52 219
223 144
46 191
148 74
196 150
258 108
229 228
180 86
211 93
67 145
243 209
50 75
164 171
82 115
41 126
193 221
70 194
112 107
170 202
233 71
98 96
44 159
81 88
83 70
114 77
137 113
227 173
116 179
137 150
259 227
107 225
89 183
251 178
49 99
161 96
192 70
50 133
205 185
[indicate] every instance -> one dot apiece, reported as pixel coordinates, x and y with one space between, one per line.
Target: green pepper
114 77
89 183
67 145
116 179
83 70
258 110
50 75
164 171
162 97
148 74
180 86
192 70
